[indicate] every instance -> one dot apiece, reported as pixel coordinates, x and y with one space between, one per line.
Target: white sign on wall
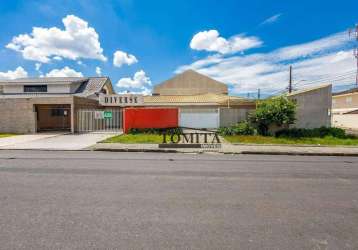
98 115
121 100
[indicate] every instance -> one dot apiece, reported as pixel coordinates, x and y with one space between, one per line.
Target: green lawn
6 135
273 140
137 138
156 139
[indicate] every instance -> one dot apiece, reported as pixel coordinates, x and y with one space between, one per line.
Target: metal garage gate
199 118
89 120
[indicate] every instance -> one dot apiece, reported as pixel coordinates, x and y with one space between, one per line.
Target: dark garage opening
53 117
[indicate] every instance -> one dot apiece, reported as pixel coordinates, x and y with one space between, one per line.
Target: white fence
108 120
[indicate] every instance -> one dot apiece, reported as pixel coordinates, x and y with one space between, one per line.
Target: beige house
202 101
190 82
42 104
345 109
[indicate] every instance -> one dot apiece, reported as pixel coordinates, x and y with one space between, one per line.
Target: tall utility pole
354 33
290 81
258 94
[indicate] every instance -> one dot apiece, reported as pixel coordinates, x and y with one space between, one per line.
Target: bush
241 128
316 132
134 131
273 112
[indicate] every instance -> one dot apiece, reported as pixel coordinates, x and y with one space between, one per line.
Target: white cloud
65 72
19 72
120 58
316 62
57 58
271 19
77 40
38 66
98 71
211 41
139 80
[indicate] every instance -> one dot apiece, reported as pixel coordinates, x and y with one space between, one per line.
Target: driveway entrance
53 117
53 141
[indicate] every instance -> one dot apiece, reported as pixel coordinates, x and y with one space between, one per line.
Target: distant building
345 109
190 82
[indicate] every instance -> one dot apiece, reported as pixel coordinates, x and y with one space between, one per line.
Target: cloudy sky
139 43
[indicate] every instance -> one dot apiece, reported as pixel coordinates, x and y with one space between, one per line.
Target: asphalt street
104 200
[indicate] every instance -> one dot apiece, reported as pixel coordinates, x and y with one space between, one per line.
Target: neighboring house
313 107
202 101
345 109
41 104
190 82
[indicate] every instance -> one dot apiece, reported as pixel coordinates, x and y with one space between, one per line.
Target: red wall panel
150 118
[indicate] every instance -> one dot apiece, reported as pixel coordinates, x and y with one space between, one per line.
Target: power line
354 32
348 73
333 79
327 78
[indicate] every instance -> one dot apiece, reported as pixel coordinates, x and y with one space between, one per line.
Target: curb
299 153
228 152
135 150
43 149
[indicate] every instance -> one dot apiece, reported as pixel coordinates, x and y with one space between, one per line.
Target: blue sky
246 44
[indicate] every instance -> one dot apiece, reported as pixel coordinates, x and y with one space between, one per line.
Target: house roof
349 91
204 99
87 85
44 80
190 82
92 86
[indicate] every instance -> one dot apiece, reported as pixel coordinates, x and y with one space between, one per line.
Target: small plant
273 112
316 132
241 128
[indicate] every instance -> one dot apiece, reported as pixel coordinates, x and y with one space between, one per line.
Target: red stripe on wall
150 118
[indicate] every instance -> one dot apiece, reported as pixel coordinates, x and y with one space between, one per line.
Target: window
35 88
59 112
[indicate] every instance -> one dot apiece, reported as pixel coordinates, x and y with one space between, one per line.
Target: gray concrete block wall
17 116
313 108
230 116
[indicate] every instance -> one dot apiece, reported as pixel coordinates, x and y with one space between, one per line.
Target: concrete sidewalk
23 139
235 149
54 141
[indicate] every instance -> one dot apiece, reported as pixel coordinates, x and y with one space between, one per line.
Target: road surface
103 200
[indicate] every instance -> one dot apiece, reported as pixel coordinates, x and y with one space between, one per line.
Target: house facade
345 109
189 100
45 104
202 101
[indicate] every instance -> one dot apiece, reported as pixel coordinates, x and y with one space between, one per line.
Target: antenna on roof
290 81
354 33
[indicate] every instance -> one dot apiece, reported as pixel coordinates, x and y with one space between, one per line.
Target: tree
278 111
